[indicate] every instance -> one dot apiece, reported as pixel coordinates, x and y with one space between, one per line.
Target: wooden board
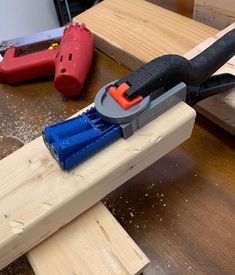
92 244
133 38
215 13
135 31
37 197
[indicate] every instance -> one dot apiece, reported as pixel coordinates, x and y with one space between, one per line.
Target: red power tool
70 61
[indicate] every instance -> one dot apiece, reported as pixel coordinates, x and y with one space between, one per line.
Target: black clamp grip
167 71
213 85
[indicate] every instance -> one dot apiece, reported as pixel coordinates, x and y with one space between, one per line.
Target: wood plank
215 13
135 31
95 243
133 38
37 197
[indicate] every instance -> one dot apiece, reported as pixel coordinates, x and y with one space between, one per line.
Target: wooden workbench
179 210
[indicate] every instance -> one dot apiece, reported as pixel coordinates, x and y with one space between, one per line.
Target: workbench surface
180 210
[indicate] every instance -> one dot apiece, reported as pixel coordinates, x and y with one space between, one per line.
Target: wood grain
135 31
31 177
215 13
134 39
92 244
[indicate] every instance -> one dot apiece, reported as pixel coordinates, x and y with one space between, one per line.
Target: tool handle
211 59
15 69
169 70
215 84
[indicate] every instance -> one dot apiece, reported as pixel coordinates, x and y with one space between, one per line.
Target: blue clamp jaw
75 140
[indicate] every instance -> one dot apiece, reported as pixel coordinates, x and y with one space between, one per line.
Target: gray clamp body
139 115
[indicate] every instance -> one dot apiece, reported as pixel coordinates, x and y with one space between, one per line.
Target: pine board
37 197
92 244
139 31
135 31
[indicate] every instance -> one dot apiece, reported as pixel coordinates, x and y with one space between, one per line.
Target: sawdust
129 214
21 125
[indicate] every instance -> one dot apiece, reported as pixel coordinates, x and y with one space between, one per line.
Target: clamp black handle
168 70
215 84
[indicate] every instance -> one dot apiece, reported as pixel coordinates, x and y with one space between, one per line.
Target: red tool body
70 62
